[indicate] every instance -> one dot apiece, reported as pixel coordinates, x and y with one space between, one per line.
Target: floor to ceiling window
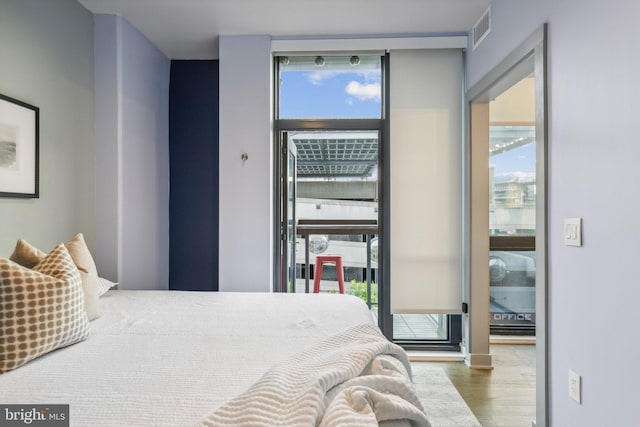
330 131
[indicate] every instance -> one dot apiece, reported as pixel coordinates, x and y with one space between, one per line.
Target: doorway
526 61
512 210
329 205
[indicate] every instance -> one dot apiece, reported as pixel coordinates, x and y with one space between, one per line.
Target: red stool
329 259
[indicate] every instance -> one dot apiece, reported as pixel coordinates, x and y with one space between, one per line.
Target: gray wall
108 145
132 122
46 51
246 192
593 174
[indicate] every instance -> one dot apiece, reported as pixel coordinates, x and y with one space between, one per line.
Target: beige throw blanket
355 378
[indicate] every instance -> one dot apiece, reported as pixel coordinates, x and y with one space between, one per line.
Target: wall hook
244 158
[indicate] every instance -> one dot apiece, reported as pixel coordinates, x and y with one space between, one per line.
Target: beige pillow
40 309
82 258
91 294
28 256
79 251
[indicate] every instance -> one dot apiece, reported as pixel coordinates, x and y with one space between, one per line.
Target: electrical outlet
574 386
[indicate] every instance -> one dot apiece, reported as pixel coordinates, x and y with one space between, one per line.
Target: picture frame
19 149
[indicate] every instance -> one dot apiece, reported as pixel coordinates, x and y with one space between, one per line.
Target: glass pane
329 160
420 326
512 187
337 175
512 290
353 250
321 87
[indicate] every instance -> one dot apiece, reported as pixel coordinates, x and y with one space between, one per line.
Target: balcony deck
405 327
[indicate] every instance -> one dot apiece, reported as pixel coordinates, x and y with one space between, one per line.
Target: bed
172 358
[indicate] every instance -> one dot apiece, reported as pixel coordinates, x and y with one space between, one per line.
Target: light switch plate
575 386
573 231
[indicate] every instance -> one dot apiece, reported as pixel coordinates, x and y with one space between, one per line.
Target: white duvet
169 358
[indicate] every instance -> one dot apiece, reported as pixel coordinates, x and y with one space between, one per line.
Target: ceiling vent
481 28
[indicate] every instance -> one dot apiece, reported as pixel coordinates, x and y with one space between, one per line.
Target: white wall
593 174
46 57
246 192
132 122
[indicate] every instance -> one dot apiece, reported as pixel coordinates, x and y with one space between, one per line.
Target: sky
330 94
518 163
357 94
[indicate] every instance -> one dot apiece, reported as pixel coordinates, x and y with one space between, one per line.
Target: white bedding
170 358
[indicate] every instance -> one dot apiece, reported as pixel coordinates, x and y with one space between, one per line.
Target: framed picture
19 148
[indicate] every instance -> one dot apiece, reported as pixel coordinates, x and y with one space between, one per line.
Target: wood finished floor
504 396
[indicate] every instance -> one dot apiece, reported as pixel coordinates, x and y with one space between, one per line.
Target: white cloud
363 92
316 78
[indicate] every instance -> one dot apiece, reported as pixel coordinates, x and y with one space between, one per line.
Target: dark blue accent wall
193 151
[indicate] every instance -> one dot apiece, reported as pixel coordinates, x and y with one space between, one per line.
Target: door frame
287 148
529 57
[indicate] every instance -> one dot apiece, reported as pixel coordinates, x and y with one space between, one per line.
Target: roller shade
426 169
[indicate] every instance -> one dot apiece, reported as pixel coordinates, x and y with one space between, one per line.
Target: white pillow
104 285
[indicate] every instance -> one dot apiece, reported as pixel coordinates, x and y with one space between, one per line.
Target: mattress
170 358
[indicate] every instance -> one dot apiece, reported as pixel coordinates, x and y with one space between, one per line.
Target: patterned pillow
28 256
40 309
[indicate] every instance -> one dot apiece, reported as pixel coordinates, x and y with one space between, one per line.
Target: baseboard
518 340
479 361
435 356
